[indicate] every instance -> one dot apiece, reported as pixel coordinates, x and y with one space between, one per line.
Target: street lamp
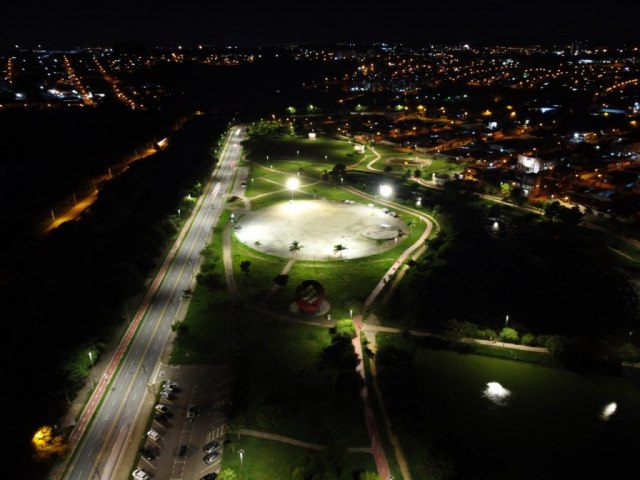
241 453
293 184
386 190
506 321
91 373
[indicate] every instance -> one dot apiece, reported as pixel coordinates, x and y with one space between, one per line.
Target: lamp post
385 191
292 184
91 373
241 453
506 321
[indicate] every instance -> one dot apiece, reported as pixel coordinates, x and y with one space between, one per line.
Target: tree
295 247
505 188
368 476
345 329
517 195
47 444
570 216
227 474
338 170
552 210
245 266
509 335
339 248
417 173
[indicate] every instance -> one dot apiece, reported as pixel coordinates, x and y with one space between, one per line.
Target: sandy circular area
318 226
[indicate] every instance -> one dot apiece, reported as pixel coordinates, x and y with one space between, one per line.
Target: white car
171 383
153 435
161 408
140 474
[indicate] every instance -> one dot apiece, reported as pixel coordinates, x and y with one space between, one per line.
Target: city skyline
163 23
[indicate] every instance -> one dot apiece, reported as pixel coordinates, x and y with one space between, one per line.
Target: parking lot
190 418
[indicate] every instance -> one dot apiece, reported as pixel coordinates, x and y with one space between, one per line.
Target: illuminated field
318 226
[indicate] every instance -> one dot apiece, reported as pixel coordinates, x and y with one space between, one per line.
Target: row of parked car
162 414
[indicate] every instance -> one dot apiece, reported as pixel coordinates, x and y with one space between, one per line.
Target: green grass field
277 460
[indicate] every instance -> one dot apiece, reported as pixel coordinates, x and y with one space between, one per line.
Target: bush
345 329
528 339
628 352
509 335
487 334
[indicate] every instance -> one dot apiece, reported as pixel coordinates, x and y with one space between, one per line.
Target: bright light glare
496 393
385 190
608 410
293 183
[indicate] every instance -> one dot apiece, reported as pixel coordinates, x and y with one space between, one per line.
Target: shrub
528 339
509 335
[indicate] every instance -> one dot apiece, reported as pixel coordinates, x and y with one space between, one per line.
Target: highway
103 433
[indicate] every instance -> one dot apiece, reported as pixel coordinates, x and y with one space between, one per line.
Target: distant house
534 164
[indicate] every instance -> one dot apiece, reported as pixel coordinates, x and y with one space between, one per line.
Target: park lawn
255 285
347 283
437 164
286 389
269 460
291 148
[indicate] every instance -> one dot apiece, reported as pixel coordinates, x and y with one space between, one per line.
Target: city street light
241 453
506 321
386 190
293 184
91 373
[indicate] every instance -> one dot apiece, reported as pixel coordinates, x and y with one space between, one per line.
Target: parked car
140 474
153 435
211 457
147 453
161 417
171 383
209 476
160 408
211 447
182 451
166 394
171 386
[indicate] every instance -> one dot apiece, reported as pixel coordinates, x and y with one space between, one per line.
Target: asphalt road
104 431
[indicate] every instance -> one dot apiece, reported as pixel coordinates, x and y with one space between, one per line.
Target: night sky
250 22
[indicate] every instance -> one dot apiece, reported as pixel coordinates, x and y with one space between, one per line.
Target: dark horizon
162 23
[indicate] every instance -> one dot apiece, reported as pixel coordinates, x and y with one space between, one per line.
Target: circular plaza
318 226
